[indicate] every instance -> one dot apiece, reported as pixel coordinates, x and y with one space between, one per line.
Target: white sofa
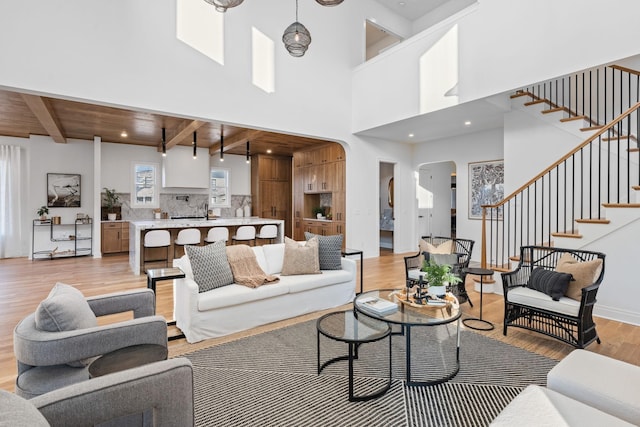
584 389
234 308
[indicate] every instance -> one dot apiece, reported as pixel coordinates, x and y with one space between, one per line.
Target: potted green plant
111 200
438 276
318 212
42 213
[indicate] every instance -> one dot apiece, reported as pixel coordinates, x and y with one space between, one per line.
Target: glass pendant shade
223 5
329 2
296 39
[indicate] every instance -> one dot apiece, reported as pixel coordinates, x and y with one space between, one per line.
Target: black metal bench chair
463 248
578 328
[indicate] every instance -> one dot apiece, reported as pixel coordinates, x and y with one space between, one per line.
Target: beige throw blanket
245 268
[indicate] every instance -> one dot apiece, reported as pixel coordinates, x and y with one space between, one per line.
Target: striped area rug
270 380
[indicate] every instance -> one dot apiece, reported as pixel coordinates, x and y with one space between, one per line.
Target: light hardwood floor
24 283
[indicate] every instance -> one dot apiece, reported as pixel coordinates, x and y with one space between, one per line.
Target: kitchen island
137 230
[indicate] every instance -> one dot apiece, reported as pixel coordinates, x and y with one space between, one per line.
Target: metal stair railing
598 171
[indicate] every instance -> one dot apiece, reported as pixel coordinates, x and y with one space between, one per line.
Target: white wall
45 156
497 53
462 150
436 177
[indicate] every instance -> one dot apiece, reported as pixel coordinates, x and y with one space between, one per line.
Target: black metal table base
354 347
488 325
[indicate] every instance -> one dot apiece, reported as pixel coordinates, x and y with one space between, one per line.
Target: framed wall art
486 186
63 190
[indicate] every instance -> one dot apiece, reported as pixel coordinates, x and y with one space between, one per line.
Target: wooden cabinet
115 237
271 189
319 177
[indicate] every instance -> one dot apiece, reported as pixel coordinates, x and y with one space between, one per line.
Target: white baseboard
617 314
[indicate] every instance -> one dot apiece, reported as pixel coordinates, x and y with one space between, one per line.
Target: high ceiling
412 9
25 114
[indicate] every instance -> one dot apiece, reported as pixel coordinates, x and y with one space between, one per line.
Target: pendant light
328 2
221 144
296 37
223 5
164 143
195 145
248 152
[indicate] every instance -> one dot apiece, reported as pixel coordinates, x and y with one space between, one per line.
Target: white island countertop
136 229
222 222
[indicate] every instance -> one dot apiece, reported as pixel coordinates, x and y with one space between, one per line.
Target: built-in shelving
62 240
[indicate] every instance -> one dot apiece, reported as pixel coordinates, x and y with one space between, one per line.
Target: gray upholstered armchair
158 394
58 356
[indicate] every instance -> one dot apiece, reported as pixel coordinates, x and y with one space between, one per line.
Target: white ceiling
412 9
483 114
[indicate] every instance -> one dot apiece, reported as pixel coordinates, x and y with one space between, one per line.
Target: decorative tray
401 296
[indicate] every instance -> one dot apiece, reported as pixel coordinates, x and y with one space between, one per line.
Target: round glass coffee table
440 352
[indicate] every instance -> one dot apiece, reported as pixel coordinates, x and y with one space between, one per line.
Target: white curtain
10 197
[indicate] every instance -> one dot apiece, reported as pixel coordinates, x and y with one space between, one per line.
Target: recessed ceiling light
124 134
401 4
269 151
467 123
411 135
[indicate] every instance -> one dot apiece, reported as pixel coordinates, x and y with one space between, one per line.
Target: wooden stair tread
615 138
570 119
519 94
537 101
636 187
621 205
634 150
590 128
554 110
569 235
593 221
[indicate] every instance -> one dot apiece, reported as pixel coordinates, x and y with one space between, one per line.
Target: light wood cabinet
115 237
271 189
319 175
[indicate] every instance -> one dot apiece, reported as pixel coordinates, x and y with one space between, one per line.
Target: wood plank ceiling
23 114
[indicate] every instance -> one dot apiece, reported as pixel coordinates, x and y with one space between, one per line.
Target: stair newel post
483 253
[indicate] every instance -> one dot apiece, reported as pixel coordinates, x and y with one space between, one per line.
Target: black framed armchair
462 249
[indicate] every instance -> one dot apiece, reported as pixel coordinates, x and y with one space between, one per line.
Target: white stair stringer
573 127
591 233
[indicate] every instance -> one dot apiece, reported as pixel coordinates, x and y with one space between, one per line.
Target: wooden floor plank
25 283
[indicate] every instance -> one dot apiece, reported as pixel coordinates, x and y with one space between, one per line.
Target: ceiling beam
43 111
237 139
186 132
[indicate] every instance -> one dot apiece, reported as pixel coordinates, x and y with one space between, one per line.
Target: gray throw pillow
210 265
329 250
549 282
65 309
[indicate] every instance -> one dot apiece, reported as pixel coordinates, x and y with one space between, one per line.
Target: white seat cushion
599 381
230 295
305 282
537 406
274 254
533 298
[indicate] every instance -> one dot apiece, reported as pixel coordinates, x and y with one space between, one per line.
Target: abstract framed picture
63 190
486 186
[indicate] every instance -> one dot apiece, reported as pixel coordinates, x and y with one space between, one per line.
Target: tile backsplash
181 204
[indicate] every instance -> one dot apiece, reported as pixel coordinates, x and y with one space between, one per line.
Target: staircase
589 192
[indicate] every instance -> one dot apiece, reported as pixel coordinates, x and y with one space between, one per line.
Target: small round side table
344 326
484 325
